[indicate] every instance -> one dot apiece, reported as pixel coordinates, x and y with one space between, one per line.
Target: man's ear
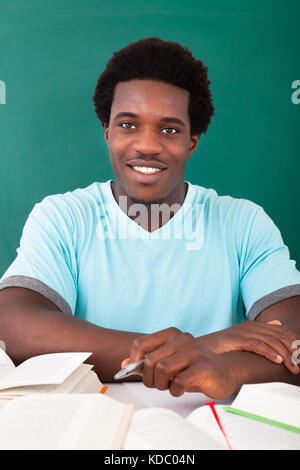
106 133
193 144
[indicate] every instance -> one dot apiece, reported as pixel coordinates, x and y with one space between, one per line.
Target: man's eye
126 125
170 129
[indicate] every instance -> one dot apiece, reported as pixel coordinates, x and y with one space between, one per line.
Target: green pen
288 427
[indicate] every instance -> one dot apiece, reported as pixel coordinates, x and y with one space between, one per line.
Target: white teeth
144 169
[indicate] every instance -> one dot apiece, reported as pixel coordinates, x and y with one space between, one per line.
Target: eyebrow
167 119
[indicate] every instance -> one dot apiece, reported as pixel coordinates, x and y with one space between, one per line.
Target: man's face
148 138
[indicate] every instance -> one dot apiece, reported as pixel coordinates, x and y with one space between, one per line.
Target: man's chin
147 198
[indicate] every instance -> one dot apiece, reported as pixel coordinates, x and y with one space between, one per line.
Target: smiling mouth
147 174
147 167
146 170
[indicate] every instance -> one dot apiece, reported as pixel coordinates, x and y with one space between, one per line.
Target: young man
149 264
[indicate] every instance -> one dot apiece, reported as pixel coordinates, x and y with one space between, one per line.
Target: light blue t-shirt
218 260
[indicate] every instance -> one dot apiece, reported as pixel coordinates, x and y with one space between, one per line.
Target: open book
64 422
160 428
47 373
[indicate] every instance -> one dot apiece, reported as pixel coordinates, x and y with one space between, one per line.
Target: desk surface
143 397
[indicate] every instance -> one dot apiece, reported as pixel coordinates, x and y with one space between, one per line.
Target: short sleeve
267 274
46 258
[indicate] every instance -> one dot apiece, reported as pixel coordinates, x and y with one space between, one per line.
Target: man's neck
154 214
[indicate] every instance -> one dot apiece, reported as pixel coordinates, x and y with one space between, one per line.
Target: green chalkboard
52 52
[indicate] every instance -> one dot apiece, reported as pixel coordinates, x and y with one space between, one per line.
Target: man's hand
176 361
181 363
271 340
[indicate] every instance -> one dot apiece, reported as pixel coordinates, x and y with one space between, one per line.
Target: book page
243 433
6 364
3 402
78 376
159 428
107 426
43 369
145 397
89 384
277 401
203 419
50 422
42 422
248 434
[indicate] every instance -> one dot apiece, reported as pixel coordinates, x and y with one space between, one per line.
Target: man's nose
148 142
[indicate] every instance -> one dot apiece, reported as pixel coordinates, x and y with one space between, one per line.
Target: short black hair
165 61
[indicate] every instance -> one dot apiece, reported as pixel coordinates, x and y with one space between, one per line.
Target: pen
262 419
131 369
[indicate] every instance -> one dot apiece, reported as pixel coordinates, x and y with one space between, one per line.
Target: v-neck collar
136 231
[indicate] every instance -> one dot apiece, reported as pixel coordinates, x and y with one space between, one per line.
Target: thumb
125 362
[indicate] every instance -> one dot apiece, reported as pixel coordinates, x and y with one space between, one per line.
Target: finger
148 343
154 360
284 334
210 374
266 343
125 362
166 369
240 343
282 350
273 335
188 379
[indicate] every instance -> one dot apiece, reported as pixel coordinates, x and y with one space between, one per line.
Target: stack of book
52 401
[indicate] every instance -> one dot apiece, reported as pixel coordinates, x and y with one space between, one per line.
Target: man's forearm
29 332
251 368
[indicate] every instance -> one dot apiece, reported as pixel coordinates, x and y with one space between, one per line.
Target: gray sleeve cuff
272 298
37 286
